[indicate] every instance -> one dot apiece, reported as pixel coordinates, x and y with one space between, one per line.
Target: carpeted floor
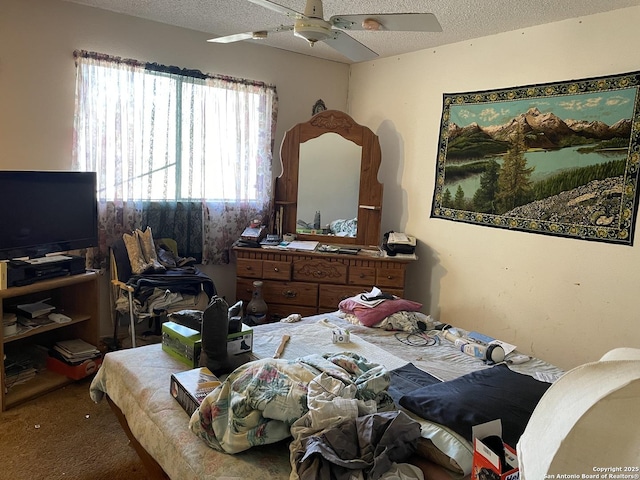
65 435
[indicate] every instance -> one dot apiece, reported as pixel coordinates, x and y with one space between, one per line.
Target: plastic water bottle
488 353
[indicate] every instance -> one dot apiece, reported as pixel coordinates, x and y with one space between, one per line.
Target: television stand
77 297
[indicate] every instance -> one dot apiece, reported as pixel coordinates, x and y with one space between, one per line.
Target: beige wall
566 301
37 79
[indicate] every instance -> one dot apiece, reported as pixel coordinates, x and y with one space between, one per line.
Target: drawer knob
276 269
249 267
390 277
289 293
362 275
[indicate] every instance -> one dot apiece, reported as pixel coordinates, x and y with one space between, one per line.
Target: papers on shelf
26 324
18 369
303 245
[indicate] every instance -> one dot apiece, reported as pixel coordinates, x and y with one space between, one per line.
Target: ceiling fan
314 28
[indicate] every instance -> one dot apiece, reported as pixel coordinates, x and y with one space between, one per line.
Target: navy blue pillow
480 397
404 380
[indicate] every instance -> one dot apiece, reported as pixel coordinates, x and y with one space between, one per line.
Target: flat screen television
44 212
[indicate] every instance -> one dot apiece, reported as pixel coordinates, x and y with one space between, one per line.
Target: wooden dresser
313 282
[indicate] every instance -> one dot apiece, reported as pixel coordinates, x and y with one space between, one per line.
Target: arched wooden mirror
330 165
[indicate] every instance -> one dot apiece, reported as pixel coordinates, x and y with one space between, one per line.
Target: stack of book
75 351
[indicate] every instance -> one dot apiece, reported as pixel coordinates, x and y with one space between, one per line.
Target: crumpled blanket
259 401
343 437
366 445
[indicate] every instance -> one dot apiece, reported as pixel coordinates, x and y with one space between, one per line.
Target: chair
586 423
186 280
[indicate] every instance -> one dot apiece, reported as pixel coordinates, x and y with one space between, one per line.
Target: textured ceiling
460 19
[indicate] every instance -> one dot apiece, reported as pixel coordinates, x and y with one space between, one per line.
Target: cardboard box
75 372
486 463
191 386
182 343
240 342
185 344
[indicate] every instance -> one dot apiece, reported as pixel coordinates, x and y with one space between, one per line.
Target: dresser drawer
249 268
362 276
244 289
331 295
277 311
318 270
274 270
290 293
390 277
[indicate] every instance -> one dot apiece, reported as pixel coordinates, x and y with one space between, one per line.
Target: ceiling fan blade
257 35
398 22
237 37
279 8
349 47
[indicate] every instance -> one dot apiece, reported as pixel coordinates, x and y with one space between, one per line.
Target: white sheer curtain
172 145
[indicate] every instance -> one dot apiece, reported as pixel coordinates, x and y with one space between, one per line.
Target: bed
136 384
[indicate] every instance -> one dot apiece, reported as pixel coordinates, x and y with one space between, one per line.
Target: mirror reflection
328 186
300 194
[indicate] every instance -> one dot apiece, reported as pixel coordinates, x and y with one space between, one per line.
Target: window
157 134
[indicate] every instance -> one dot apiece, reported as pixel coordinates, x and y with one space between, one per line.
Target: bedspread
259 401
137 381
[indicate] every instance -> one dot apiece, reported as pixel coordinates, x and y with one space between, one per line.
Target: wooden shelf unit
76 296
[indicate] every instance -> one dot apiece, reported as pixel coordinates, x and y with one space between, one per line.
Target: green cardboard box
182 343
185 344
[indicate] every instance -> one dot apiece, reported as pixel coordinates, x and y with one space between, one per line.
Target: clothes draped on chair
149 280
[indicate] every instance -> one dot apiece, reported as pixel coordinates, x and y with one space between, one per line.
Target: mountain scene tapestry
558 159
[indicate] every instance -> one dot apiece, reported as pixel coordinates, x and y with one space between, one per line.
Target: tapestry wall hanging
557 159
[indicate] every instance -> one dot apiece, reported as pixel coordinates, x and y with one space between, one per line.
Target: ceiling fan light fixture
314 31
371 24
260 35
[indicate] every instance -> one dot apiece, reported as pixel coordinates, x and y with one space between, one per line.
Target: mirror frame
370 195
